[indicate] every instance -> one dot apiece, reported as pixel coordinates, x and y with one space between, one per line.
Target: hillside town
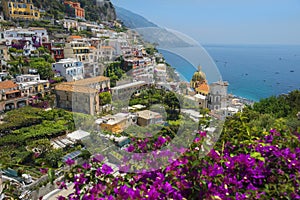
90 69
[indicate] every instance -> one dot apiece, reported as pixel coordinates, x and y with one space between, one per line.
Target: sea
253 71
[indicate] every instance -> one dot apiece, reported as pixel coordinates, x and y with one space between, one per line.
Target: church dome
199 76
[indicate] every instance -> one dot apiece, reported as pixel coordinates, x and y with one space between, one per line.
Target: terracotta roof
75 37
7 85
203 88
88 81
75 88
107 47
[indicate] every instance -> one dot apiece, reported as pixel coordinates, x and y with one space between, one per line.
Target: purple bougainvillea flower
61 198
70 162
269 138
98 172
197 140
130 148
98 158
202 134
44 170
273 131
106 169
86 165
79 179
62 185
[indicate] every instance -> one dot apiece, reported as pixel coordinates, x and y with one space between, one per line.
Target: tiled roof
203 88
88 81
81 86
75 37
74 88
7 85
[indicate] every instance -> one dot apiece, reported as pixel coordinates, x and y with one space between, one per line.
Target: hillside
95 10
150 32
132 20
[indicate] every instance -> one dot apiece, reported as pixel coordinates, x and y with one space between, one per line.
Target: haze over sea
253 71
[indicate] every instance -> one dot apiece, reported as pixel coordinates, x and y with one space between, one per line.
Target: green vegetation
105 98
150 49
43 66
152 96
114 72
26 133
41 61
281 106
57 10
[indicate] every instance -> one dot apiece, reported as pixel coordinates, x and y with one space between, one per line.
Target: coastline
254 72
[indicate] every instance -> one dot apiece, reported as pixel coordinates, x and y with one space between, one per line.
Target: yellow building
199 82
201 87
115 123
20 9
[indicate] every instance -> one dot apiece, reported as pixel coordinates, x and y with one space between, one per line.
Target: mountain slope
150 32
132 20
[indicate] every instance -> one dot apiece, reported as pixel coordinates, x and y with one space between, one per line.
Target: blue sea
253 71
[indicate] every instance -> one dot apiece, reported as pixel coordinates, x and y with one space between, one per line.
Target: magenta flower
98 172
62 185
98 158
106 169
86 165
197 140
202 134
79 180
61 198
70 162
130 148
43 170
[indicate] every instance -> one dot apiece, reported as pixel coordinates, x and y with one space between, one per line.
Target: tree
53 157
105 98
42 145
44 69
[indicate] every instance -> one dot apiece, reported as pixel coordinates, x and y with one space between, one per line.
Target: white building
31 84
217 98
27 39
160 72
69 68
68 24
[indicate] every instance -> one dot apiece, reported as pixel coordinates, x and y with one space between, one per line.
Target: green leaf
261 159
51 175
255 154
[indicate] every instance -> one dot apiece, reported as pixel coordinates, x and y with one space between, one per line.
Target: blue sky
224 21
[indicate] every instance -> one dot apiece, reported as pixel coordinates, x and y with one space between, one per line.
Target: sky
224 21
